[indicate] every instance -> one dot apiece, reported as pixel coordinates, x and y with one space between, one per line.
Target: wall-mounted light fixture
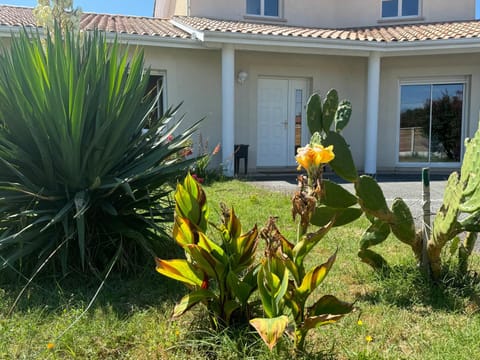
242 76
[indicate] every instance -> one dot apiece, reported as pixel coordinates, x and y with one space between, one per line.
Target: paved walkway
410 190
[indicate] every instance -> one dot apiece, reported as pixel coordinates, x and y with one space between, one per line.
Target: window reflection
431 123
298 118
253 7
271 7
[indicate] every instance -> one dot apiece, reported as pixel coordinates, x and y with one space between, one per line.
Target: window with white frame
263 7
431 122
400 8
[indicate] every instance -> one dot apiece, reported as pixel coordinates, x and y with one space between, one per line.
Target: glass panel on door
298 118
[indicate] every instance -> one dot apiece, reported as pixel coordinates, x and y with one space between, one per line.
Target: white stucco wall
346 74
326 13
192 77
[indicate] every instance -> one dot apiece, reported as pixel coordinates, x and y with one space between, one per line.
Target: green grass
406 316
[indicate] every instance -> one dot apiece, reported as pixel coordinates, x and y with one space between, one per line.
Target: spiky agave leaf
75 162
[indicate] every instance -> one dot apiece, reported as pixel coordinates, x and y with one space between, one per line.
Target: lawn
398 316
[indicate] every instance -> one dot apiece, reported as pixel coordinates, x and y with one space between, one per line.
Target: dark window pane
447 113
298 118
409 7
253 7
271 8
389 8
154 90
414 123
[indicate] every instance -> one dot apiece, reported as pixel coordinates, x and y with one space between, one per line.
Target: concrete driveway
408 188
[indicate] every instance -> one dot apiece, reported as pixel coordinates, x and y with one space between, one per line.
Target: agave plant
82 179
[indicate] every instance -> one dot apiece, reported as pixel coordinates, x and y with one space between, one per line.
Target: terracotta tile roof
132 25
164 28
386 33
16 16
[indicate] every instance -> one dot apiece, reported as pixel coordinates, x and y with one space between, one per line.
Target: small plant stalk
426 226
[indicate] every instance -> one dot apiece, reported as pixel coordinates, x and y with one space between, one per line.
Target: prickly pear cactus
461 197
340 207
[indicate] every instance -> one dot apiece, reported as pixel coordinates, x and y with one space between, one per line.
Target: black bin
240 152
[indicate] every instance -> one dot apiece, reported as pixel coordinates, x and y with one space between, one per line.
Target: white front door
281 121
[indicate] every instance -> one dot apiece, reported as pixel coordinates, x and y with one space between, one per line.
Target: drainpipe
189 9
373 96
228 107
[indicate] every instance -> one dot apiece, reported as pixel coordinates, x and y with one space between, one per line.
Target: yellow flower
368 339
359 322
50 346
308 157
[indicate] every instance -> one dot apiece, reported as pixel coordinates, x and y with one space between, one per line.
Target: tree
61 12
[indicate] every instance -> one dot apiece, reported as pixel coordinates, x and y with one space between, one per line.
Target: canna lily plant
285 284
219 274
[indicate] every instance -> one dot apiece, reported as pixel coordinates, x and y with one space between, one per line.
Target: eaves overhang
346 47
6 31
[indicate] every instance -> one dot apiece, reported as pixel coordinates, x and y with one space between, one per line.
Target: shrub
82 181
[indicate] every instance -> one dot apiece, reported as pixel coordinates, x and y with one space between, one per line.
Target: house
410 68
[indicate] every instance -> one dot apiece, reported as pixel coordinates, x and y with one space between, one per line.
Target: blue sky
126 7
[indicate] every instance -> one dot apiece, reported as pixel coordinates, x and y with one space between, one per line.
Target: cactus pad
343 164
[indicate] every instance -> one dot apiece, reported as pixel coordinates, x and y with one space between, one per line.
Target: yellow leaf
178 269
270 330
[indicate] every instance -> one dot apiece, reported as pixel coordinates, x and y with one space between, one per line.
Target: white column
371 134
228 107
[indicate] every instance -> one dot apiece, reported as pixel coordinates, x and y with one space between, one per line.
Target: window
155 87
398 8
263 7
431 117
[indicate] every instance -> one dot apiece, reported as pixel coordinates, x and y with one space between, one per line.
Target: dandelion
50 346
359 322
177 333
368 339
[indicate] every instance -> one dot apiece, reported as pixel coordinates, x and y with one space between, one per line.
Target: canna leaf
190 202
192 299
183 232
271 329
308 241
212 248
205 261
245 246
240 289
180 270
329 305
315 277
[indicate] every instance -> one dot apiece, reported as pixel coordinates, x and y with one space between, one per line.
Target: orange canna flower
308 157
216 150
